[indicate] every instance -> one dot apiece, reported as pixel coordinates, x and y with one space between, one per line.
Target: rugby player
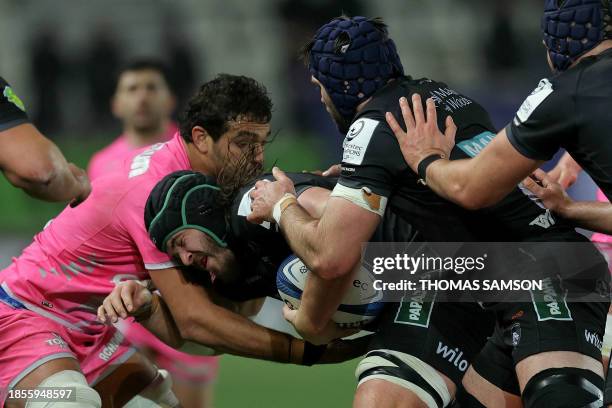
143 102
592 215
50 294
187 216
32 162
360 76
567 110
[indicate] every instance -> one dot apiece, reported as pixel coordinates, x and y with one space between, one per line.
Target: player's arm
32 162
330 246
133 298
593 215
200 320
472 183
566 171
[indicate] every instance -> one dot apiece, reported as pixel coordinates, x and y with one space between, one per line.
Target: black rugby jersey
261 249
571 110
12 111
372 158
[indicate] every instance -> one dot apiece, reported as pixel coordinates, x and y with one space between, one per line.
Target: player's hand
128 298
552 195
266 194
84 186
332 171
331 332
422 137
566 172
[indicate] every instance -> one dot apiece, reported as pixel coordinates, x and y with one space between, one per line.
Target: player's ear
201 139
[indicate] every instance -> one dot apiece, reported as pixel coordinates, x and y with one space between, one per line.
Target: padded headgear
572 28
353 58
185 200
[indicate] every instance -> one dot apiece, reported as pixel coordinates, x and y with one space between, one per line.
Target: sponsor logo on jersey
111 347
415 310
357 140
549 303
72 269
534 100
473 146
593 338
57 341
140 163
355 130
13 98
515 333
453 356
545 220
449 99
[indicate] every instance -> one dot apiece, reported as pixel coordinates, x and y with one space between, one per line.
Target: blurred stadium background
60 57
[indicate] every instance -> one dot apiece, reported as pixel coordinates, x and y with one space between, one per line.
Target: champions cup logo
355 130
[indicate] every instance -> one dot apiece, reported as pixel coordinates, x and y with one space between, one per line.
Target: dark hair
343 39
225 98
145 64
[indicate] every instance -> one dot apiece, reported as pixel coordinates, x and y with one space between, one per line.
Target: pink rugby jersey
113 156
74 263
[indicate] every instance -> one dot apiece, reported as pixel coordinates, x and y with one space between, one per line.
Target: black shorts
525 329
549 322
446 336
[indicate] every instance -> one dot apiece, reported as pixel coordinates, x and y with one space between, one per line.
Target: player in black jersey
31 161
360 77
569 110
196 223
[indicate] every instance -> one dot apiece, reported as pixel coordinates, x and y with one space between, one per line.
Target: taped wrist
281 205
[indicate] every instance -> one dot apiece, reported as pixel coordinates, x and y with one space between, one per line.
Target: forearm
231 333
456 181
593 215
161 323
317 306
304 236
58 185
35 164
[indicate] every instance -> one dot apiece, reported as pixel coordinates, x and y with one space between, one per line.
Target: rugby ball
359 306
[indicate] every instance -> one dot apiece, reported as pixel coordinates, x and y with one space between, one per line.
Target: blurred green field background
246 383
242 383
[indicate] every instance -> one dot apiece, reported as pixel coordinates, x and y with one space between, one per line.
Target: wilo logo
453 356
593 339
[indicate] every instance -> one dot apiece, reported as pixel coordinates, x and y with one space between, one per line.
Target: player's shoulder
591 76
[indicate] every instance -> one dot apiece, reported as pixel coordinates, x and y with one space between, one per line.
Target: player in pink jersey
49 295
144 103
